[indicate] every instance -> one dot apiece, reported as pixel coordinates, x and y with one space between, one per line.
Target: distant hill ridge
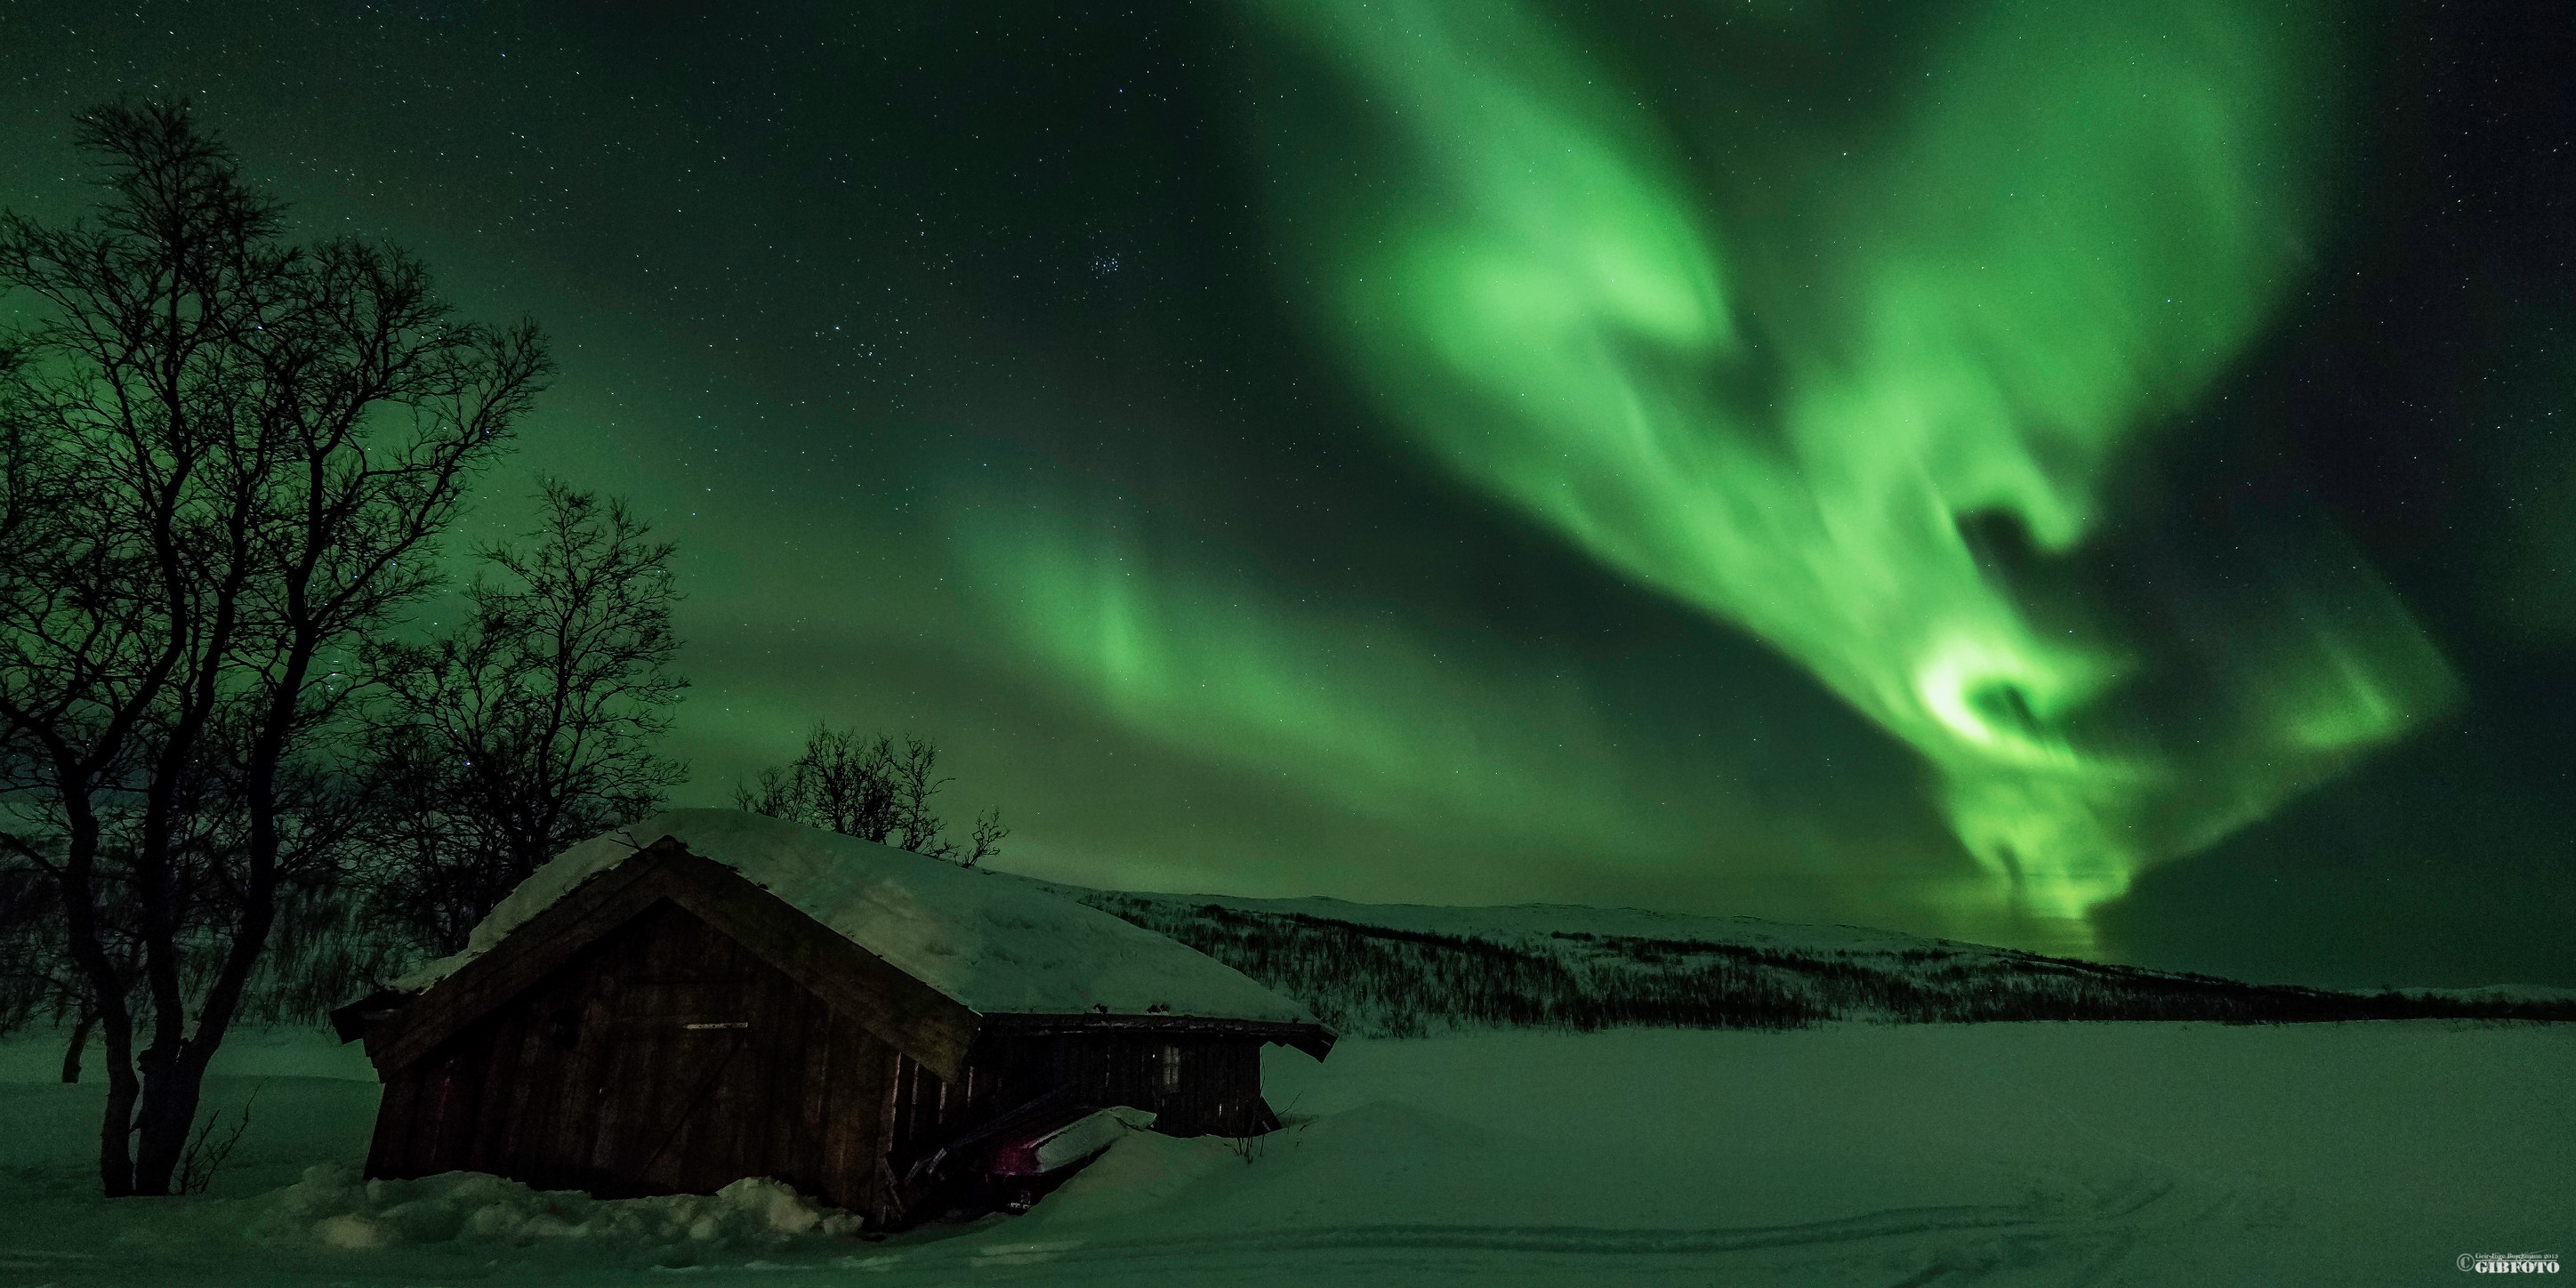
1407 970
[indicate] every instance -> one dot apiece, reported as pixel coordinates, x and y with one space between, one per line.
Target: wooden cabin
711 995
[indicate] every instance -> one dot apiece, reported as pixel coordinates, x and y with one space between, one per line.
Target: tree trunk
106 999
174 1076
172 1086
116 1125
79 1043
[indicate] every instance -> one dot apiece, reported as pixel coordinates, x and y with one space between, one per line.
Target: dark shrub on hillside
1380 981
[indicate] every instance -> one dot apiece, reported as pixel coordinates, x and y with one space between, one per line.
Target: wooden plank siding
1195 1084
666 1058
931 1026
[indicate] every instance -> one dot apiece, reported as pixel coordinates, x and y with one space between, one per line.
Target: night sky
2090 477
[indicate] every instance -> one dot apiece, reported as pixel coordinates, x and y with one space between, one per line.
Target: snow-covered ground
1844 1155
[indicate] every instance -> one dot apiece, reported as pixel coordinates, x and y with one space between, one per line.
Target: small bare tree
533 724
873 788
228 457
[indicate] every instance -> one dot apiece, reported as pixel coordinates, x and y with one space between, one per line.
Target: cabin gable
663 1057
912 1016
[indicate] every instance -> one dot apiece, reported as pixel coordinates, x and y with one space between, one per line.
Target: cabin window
1170 1071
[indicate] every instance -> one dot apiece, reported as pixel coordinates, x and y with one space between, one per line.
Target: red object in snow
1053 1148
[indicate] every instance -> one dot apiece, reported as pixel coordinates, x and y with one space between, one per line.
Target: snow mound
332 1207
997 943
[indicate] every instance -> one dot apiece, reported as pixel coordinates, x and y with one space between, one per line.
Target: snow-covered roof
997 943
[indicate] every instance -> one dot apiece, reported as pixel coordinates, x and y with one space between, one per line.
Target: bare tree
37 981
983 840
873 788
228 459
533 724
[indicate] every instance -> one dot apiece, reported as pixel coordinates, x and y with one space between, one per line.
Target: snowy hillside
1404 970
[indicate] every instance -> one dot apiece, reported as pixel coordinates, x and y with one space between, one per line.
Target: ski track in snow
2005 1247
1910 1248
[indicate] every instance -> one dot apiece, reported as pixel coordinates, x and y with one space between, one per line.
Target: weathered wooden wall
1194 1083
664 1058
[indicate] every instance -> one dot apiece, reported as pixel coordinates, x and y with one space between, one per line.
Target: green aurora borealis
1938 465
2080 222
